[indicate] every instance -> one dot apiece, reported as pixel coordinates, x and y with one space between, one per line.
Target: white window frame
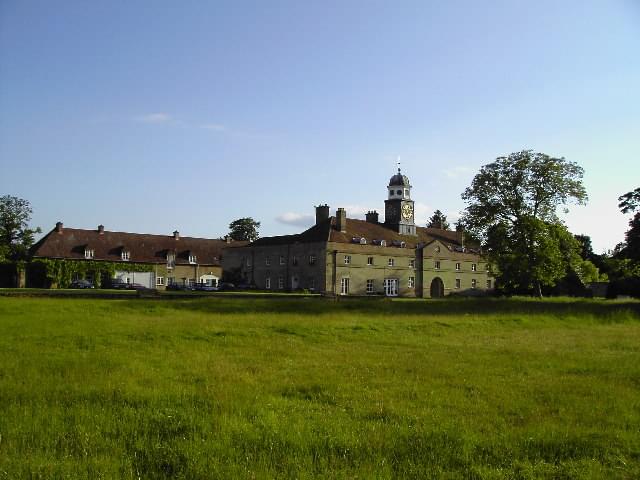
344 286
125 255
88 253
294 260
412 263
488 284
312 259
267 283
458 284
281 282
458 266
370 261
267 261
370 286
474 267
474 283
281 259
436 264
412 282
347 259
391 262
193 259
159 281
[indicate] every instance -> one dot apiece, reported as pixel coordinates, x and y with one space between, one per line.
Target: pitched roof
71 243
326 232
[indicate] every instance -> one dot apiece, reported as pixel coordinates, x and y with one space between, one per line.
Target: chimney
372 216
59 226
176 235
341 220
322 213
101 229
460 236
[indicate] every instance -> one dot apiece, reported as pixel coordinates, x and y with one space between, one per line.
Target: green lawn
304 387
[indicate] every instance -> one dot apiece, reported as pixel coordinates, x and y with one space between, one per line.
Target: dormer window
193 259
88 253
124 255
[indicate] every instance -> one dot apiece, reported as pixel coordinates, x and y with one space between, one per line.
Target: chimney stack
341 220
101 229
176 235
322 213
372 216
59 226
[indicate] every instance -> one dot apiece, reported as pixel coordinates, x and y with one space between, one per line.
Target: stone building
345 256
160 260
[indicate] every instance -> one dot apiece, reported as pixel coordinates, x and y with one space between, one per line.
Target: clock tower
398 207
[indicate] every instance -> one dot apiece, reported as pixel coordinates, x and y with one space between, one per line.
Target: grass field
303 387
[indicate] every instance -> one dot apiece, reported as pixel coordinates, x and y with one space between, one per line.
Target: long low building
345 256
153 261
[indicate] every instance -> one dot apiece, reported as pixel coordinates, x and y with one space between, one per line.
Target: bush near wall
59 273
8 275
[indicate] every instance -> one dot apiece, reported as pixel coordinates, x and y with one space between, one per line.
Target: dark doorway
437 288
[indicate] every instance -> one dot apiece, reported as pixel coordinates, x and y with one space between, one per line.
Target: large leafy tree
438 220
630 202
244 229
512 207
15 235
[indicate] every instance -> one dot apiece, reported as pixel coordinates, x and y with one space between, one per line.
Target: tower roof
399 179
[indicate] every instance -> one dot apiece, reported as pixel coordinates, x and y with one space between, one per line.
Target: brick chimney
341 220
176 234
101 229
372 216
322 213
59 226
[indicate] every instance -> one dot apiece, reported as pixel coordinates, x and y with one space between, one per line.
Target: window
473 283
457 283
344 286
406 192
192 259
369 260
159 281
267 283
412 263
473 267
171 261
312 283
88 253
436 264
124 255
347 259
280 282
370 286
458 266
412 282
391 262
248 261
312 259
267 261
281 259
171 280
489 284
294 260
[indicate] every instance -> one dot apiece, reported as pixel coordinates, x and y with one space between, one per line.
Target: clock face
407 211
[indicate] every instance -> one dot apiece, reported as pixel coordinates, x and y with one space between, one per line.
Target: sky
152 116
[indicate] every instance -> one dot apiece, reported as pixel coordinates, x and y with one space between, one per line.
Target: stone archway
437 288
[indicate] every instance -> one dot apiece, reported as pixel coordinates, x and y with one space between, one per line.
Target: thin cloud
456 172
297 219
216 127
158 117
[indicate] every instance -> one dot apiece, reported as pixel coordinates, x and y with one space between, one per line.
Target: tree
15 235
630 201
512 208
244 229
438 220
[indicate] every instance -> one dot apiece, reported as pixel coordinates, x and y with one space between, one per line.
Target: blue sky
155 116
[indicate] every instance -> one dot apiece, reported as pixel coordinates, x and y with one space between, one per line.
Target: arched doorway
437 288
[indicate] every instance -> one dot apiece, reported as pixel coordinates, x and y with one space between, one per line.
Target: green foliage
15 235
244 229
630 201
228 388
61 272
438 220
511 207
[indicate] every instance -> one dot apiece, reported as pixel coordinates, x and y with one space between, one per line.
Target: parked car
180 287
203 287
119 285
81 284
223 286
135 286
